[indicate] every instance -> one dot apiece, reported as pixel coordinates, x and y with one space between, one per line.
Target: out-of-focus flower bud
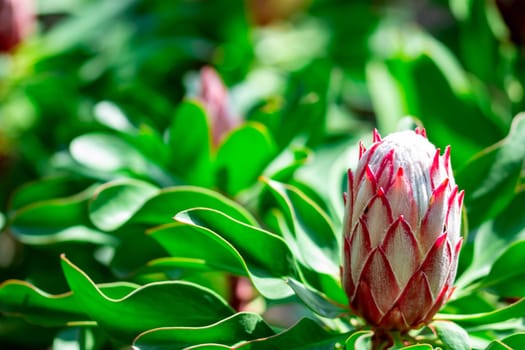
401 231
214 95
16 22
264 12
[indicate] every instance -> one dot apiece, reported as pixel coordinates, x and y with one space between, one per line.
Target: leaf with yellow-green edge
191 247
306 229
249 245
239 327
45 189
160 304
354 340
514 341
305 334
169 201
57 220
23 299
243 156
115 202
515 310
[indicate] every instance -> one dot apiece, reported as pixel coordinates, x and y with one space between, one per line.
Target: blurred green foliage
106 156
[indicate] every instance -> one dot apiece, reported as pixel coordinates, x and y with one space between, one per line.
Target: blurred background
319 74
455 65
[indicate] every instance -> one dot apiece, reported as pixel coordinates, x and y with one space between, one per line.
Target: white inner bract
414 153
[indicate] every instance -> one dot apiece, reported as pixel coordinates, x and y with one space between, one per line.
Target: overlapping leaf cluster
129 227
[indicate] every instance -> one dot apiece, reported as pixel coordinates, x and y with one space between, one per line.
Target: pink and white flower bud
401 231
214 95
17 19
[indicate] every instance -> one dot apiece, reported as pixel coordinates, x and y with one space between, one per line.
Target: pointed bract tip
377 136
460 198
446 157
362 149
439 191
345 197
421 131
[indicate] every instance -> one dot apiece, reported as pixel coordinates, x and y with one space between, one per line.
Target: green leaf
190 147
160 304
326 174
508 272
112 116
492 239
251 244
316 301
306 229
172 200
38 307
243 156
453 336
80 338
189 247
239 327
355 338
515 310
415 74
44 189
514 341
289 160
57 220
491 177
106 156
114 203
23 299
306 334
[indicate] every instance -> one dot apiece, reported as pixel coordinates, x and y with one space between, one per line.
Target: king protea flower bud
214 95
16 22
401 231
